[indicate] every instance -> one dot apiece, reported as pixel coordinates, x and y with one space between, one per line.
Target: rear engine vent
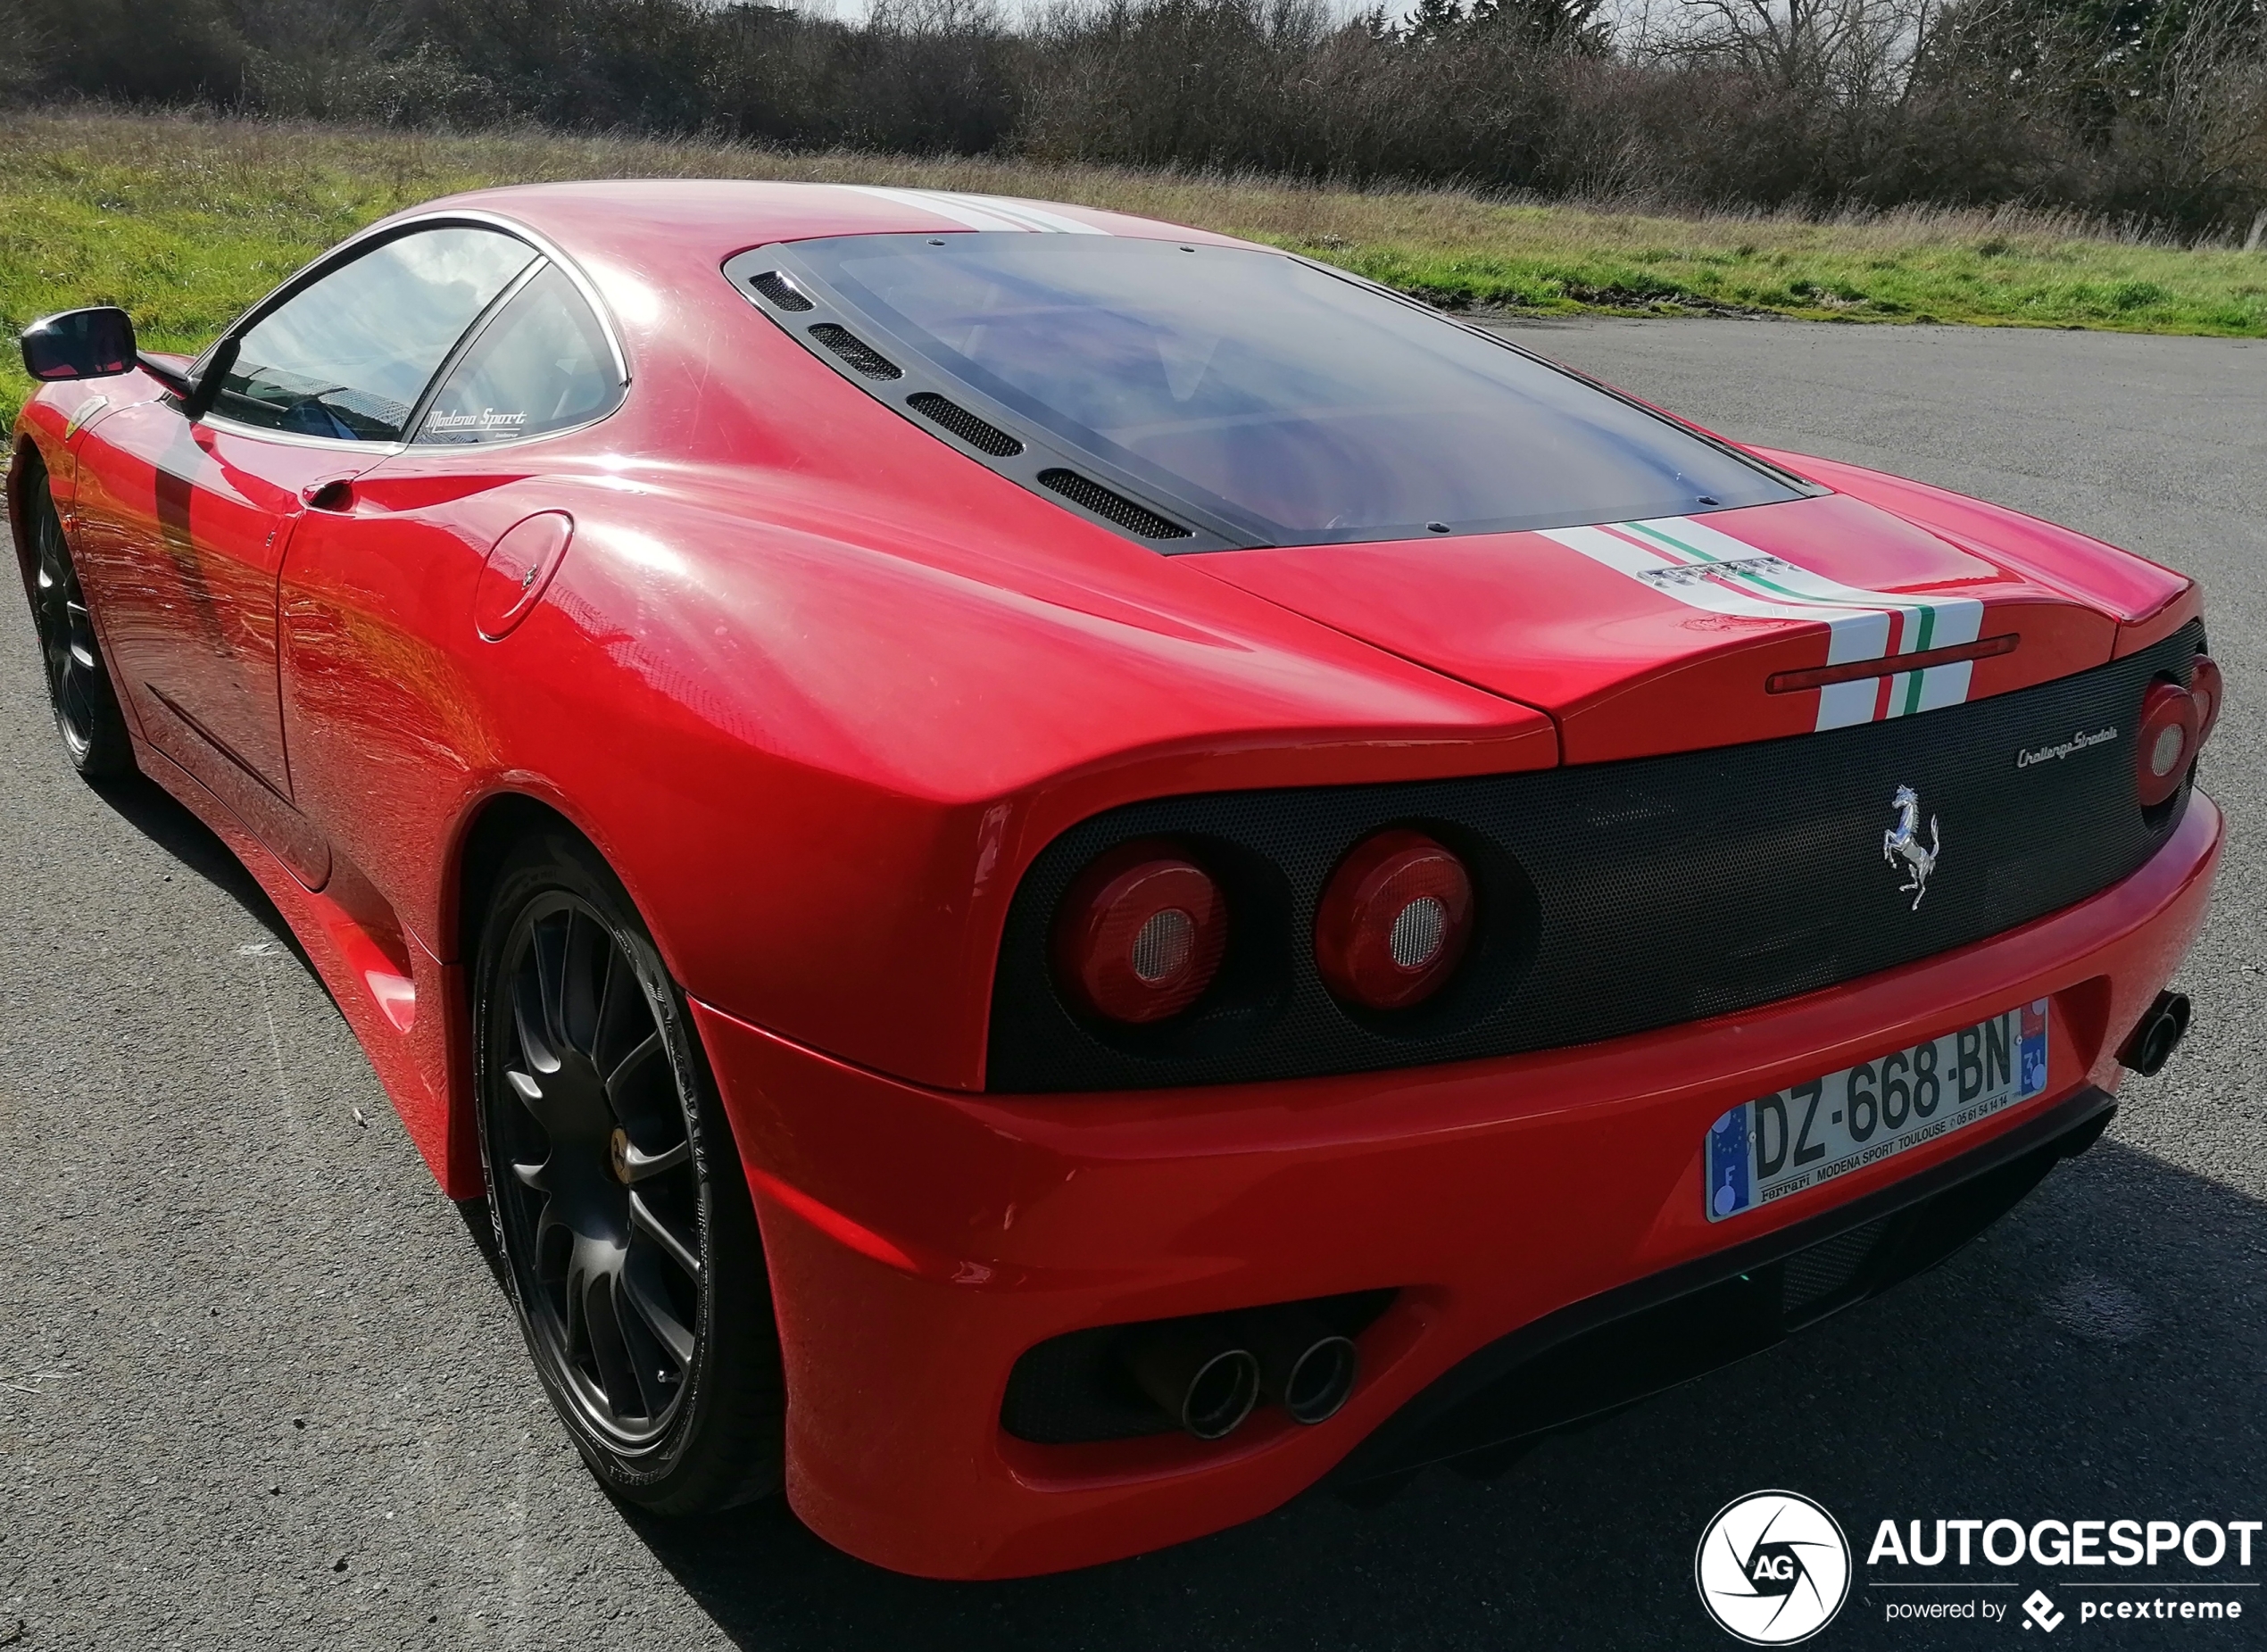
855 351
986 438
1111 507
780 290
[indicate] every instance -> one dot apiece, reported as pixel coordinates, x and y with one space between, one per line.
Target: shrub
2152 109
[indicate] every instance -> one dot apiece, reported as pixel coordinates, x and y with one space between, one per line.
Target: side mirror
80 343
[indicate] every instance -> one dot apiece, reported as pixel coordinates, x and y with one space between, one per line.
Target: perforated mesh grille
986 438
781 291
1111 507
855 351
1812 1278
1663 890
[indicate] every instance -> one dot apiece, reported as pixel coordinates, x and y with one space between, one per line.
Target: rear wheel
620 1211
79 687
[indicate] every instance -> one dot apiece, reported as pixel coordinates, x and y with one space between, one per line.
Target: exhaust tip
2156 1035
1221 1394
1207 1382
1320 1381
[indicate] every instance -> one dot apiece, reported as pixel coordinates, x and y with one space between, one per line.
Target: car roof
711 219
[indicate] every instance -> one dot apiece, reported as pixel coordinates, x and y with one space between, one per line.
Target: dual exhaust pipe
1208 1374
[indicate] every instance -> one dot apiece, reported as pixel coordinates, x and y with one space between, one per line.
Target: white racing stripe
995 213
1701 567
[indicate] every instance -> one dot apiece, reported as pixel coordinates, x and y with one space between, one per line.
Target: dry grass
186 220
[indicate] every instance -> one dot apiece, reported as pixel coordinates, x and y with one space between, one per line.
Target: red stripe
1820 677
1631 539
1722 582
1726 582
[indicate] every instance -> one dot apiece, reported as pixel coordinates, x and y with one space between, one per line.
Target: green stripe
1651 531
1738 573
1928 632
1843 603
1925 609
1920 605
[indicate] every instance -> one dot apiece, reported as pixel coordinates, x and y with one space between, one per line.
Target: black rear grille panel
980 434
1616 897
1111 506
855 351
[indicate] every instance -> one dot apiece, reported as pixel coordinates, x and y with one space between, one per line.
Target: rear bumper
920 1241
1595 1356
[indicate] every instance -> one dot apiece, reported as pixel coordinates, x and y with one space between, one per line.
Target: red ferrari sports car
1060 876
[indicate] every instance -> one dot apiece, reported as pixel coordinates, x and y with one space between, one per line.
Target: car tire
78 683
621 1215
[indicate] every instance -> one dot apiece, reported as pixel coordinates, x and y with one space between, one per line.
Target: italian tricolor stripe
1701 567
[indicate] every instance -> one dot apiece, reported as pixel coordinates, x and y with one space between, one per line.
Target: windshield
1296 405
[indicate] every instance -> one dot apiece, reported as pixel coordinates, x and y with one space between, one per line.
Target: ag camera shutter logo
1772 1568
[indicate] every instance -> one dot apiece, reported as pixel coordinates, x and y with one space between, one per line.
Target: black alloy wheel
78 685
619 1209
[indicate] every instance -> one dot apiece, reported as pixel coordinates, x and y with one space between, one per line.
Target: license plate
1797 1138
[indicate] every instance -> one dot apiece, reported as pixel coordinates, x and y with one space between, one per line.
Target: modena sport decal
1702 567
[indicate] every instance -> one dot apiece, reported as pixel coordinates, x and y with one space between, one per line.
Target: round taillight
1140 934
2205 682
1394 921
2168 742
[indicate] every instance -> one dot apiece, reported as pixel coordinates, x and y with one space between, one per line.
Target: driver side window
348 357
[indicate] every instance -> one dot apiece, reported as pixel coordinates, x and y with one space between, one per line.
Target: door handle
337 494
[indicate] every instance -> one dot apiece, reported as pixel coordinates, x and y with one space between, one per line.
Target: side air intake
780 290
855 351
1111 506
984 437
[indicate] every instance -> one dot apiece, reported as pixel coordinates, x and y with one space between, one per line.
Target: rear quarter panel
815 684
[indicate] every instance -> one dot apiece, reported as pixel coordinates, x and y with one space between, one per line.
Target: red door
396 595
185 525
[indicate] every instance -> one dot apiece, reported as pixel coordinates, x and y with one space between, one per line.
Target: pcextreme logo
1772 1568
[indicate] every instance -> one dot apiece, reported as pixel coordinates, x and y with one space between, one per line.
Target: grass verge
184 221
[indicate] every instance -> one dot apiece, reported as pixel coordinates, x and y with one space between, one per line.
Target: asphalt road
258 1387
